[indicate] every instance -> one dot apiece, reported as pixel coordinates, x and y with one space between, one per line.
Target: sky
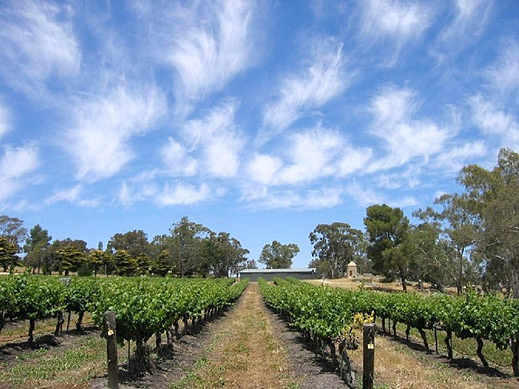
259 118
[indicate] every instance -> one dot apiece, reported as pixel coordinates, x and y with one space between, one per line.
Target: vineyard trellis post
111 349
368 362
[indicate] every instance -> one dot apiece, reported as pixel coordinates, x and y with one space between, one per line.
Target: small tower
352 270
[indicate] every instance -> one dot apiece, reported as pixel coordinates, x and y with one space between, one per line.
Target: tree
70 258
12 228
36 247
52 259
134 242
99 258
162 263
492 198
457 232
224 254
428 254
387 230
143 263
185 245
125 265
335 245
8 252
277 255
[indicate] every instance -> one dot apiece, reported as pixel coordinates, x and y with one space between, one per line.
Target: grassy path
244 354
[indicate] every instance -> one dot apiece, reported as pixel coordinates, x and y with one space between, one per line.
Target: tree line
190 249
466 238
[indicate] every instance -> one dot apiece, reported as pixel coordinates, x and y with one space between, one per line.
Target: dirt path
244 353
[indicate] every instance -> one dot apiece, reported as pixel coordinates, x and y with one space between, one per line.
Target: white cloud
408 178
468 24
404 136
504 74
400 21
5 120
408 201
494 121
15 164
453 159
138 188
363 196
311 155
322 79
36 41
218 139
206 43
264 198
263 168
177 160
98 140
354 160
183 194
73 196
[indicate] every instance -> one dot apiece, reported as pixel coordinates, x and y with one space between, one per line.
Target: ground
247 347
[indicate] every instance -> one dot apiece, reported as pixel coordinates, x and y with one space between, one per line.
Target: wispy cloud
206 43
263 168
98 139
453 159
311 155
183 194
322 78
15 165
138 188
404 136
36 41
264 198
176 160
74 196
495 121
217 139
469 21
392 21
504 73
363 196
5 120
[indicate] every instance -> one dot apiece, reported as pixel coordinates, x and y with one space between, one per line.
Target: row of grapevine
326 311
144 306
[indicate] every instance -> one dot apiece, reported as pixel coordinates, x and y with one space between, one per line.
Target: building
269 274
352 270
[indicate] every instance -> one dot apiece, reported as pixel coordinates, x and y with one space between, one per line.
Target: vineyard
323 314
144 306
156 309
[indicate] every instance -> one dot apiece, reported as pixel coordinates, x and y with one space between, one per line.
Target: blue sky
259 118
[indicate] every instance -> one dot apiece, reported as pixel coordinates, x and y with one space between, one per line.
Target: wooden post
368 365
111 349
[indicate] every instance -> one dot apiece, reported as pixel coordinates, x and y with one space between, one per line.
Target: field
244 345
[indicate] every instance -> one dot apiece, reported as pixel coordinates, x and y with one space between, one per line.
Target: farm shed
268 274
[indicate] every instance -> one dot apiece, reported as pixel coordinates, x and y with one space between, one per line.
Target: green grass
38 365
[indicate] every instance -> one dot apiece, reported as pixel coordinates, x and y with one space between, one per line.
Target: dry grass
375 283
401 368
245 354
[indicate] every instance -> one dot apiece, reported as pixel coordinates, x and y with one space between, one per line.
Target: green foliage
335 245
277 255
8 252
134 242
325 311
36 247
388 230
